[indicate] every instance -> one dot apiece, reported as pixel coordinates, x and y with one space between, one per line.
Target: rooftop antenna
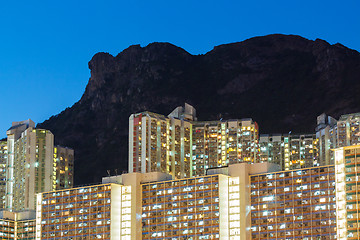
108 172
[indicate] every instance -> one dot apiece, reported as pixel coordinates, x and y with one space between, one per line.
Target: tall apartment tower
31 166
183 147
333 134
326 133
348 130
3 158
63 168
289 151
220 143
303 152
159 143
272 149
30 153
347 160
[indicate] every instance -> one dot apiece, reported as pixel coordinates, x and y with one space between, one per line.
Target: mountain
281 81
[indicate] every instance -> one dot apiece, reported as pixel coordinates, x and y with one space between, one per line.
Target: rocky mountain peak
281 81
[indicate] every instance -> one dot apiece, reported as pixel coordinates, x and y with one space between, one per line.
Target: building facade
293 151
159 143
348 130
326 133
220 143
186 209
297 204
290 151
17 225
93 212
29 164
63 168
3 159
347 163
333 133
32 167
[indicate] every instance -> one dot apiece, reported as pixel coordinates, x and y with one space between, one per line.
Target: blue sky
45 46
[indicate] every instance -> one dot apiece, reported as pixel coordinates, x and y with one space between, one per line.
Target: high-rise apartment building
303 152
272 149
3 159
308 150
348 130
333 133
347 162
159 143
63 168
289 151
180 145
220 143
31 166
326 133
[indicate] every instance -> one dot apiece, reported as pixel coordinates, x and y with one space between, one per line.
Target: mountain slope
281 81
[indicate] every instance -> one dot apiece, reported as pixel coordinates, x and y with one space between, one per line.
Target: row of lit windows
77 236
199 180
310 171
78 191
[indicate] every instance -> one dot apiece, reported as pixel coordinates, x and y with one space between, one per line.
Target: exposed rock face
282 82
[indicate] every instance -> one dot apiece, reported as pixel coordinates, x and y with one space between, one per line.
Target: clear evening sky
45 46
